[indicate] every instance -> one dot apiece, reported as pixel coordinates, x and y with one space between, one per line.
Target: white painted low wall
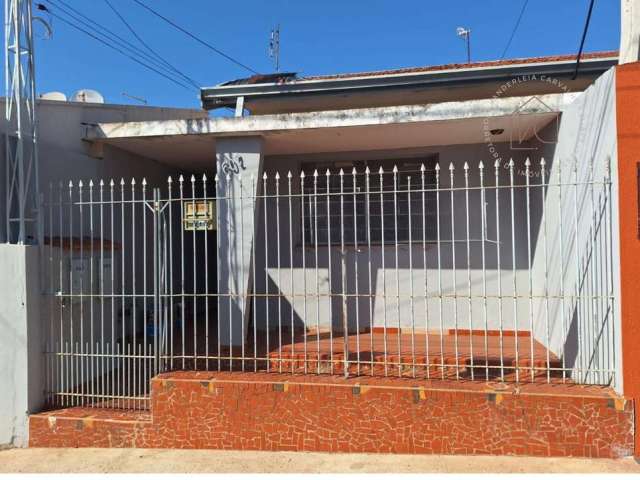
21 342
586 138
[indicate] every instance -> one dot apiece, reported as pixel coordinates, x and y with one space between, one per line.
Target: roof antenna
133 97
274 46
465 34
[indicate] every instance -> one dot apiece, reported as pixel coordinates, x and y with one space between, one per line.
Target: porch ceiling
190 144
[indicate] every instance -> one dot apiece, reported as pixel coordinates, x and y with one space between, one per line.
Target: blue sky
317 37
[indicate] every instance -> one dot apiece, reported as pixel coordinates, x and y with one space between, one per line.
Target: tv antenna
134 97
465 34
274 47
22 203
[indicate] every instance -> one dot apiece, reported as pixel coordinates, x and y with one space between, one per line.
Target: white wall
21 342
325 312
629 31
587 141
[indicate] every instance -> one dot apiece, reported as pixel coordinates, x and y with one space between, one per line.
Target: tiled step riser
330 414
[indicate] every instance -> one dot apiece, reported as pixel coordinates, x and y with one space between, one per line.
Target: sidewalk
38 460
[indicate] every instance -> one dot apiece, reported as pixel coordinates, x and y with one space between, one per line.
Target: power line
515 28
148 47
197 39
584 36
111 36
86 32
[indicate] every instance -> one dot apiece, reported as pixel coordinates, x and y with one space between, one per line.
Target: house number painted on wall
232 166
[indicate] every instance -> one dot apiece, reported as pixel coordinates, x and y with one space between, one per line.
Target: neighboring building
66 155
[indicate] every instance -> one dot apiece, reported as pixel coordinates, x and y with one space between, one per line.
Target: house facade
383 245
424 201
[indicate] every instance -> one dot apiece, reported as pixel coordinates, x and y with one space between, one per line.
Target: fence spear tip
181 178
101 183
437 166
451 167
289 175
481 165
341 172
327 173
496 163
80 184
354 171
91 182
169 180
204 177
381 170
527 162
315 172
395 169
302 174
112 183
422 167
133 181
277 177
543 162
264 176
70 184
122 181
144 181
193 178
511 163
466 166
367 170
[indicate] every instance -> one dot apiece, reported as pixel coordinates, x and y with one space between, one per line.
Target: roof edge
593 63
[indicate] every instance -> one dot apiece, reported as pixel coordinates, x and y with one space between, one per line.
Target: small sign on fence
199 215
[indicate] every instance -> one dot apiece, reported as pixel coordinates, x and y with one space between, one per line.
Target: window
372 208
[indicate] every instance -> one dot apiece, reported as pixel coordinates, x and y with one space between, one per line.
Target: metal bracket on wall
240 107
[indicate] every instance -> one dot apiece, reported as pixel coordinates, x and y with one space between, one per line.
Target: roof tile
454 66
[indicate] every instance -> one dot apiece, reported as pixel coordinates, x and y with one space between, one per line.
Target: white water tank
57 96
87 96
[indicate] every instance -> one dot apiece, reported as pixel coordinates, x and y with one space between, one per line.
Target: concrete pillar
629 31
22 380
237 160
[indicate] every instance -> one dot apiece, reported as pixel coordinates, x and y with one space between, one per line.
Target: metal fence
501 272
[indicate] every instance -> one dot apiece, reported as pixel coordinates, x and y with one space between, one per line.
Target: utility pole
21 154
274 47
465 34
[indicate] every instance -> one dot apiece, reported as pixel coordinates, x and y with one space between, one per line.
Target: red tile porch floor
450 356
423 355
